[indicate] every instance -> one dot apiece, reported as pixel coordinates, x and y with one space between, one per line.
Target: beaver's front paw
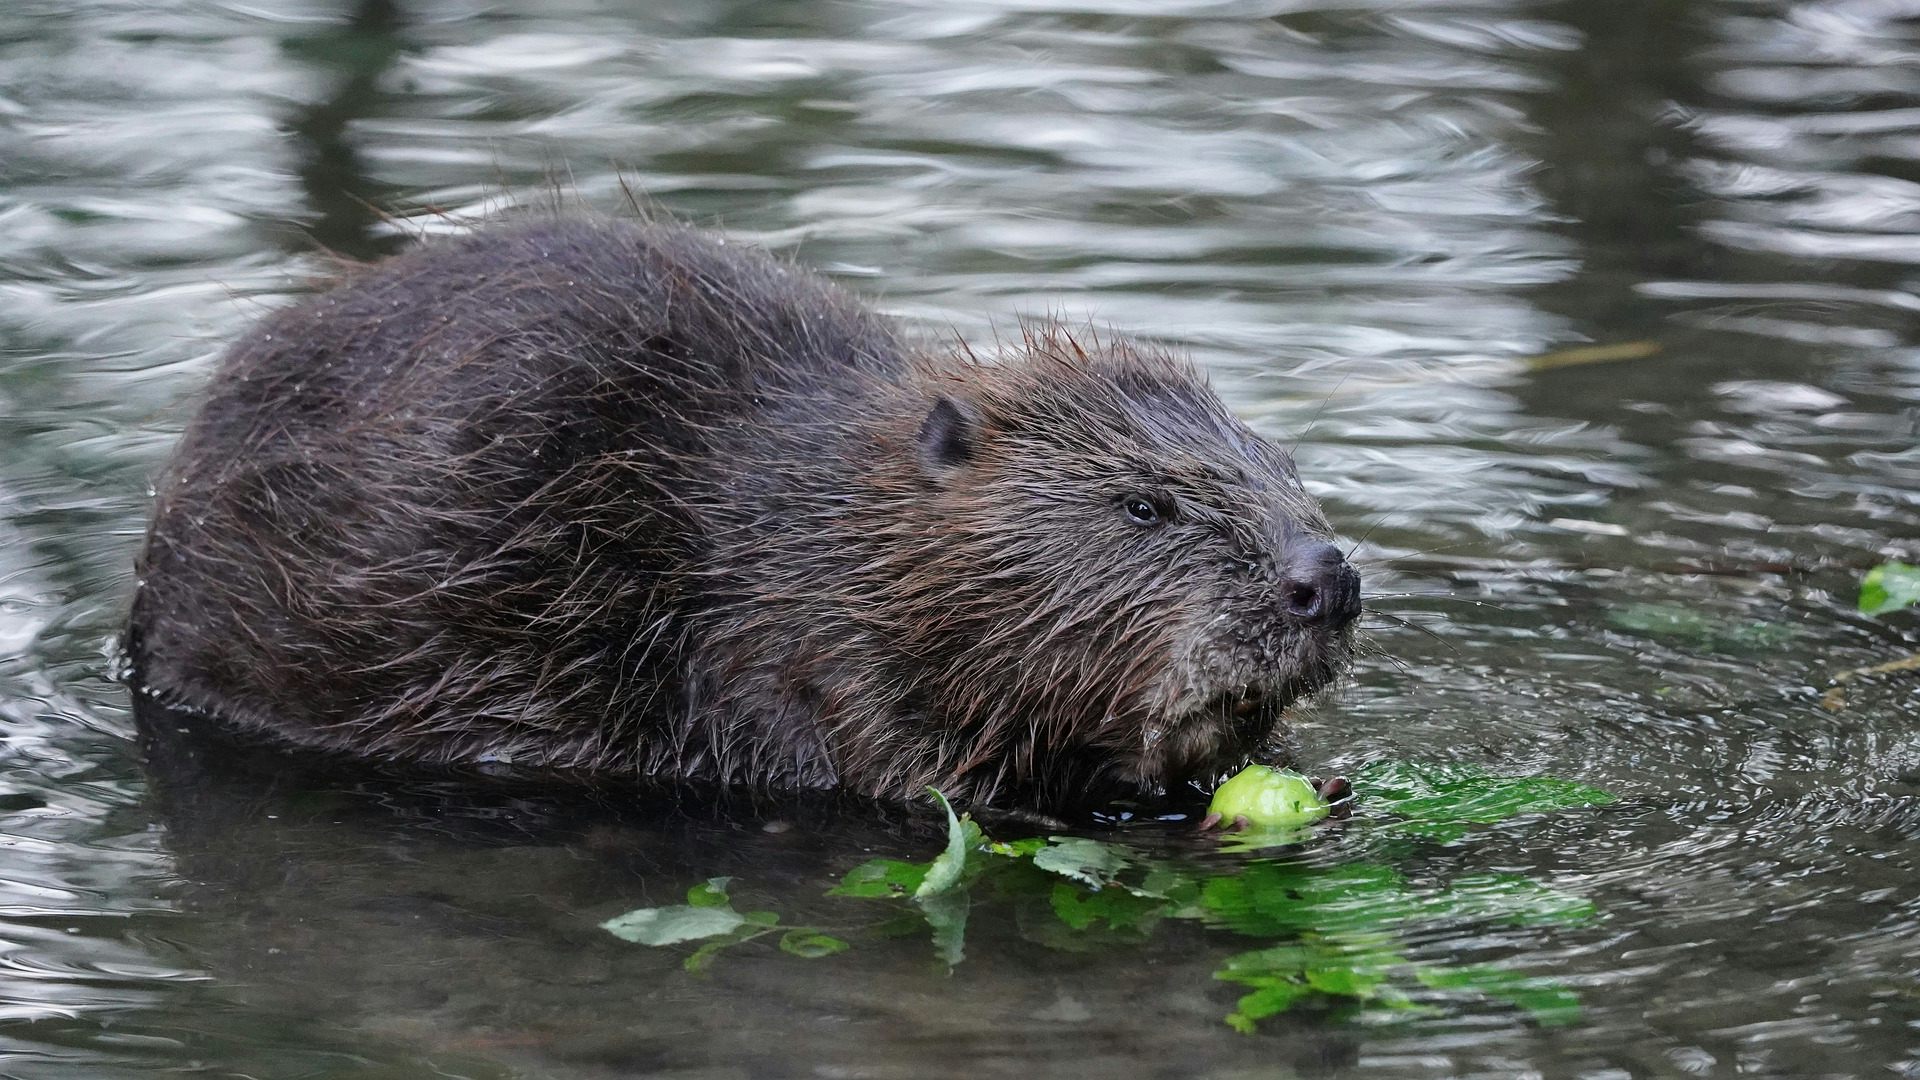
1214 823
1337 793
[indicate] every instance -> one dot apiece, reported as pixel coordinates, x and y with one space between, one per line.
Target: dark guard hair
623 497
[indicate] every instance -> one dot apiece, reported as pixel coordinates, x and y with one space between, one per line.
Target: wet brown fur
619 497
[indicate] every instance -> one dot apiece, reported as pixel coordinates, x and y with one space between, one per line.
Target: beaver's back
416 511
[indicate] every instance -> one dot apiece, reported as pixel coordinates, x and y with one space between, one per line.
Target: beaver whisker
1411 624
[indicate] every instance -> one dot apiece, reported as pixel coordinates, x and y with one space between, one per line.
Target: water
1388 230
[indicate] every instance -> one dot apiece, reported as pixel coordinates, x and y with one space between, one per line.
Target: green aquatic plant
1687 625
1889 587
1334 934
709 917
1443 802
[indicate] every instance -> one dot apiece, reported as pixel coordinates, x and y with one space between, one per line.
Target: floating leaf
1270 999
709 893
1545 1000
899 924
1331 933
1346 981
1514 899
1439 801
1356 968
1889 587
1080 909
881 878
1276 900
671 925
811 944
702 958
1088 861
1688 624
1162 882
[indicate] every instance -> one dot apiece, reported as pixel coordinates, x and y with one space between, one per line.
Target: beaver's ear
949 436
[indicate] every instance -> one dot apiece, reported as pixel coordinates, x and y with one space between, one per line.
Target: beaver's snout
1319 588
1250 656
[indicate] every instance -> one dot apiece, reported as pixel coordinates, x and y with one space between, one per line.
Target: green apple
1269 798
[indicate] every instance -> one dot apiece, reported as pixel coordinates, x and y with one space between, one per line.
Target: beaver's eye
1141 511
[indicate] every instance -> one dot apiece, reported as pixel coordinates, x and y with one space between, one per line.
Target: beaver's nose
1319 588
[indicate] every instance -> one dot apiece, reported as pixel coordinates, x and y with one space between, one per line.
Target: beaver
625 498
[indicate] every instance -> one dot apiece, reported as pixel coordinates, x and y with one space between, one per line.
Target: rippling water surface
1597 321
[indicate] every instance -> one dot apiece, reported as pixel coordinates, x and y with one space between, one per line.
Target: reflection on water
1388 229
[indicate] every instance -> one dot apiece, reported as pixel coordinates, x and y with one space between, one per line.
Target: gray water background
1368 220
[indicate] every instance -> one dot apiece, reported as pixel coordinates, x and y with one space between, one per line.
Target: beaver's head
1114 580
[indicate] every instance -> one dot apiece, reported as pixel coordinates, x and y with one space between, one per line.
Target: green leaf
1333 933
670 925
1089 861
1261 965
1165 883
1278 900
811 944
944 873
1889 587
1271 999
899 924
709 893
1356 968
1365 955
1512 899
1663 620
1687 625
881 878
1545 1000
1682 623
1119 909
973 838
702 958
1438 800
1357 983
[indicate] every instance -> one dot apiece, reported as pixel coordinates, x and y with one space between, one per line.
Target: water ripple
1596 321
